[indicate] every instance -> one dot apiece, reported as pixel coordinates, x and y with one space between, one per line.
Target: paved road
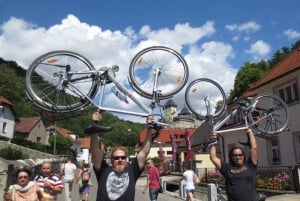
139 196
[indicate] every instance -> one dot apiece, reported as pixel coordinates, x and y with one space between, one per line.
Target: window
297 146
274 151
38 139
289 92
4 127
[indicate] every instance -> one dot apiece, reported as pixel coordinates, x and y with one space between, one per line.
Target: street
139 196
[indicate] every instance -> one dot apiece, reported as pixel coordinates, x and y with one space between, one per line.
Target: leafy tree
247 75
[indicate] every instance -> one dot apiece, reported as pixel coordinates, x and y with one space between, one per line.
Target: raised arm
97 154
213 151
142 155
253 146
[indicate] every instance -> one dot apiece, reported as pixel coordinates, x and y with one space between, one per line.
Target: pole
54 146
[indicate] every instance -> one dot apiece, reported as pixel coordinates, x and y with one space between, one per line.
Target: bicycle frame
107 77
219 124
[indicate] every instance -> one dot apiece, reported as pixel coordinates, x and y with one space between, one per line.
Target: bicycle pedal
96 128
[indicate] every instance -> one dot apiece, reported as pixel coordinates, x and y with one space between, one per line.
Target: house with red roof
7 119
80 145
280 150
32 129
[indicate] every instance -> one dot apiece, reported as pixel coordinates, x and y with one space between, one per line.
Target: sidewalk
284 197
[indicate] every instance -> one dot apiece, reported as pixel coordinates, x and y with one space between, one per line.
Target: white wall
7 117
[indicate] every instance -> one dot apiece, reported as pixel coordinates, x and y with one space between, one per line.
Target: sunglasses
237 155
119 157
22 177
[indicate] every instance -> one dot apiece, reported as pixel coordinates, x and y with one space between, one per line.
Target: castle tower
170 110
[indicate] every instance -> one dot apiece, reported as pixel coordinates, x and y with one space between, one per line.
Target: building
31 129
284 81
281 150
7 119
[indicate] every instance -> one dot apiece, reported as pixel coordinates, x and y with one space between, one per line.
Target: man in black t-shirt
116 182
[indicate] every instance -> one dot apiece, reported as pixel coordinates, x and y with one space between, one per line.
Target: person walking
49 182
152 181
84 182
189 177
24 189
117 181
68 170
239 173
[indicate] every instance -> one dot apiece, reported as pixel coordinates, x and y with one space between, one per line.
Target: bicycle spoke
49 76
205 98
269 115
163 63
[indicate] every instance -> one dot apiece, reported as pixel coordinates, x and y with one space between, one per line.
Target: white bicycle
64 82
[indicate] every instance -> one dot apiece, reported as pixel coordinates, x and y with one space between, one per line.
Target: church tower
170 111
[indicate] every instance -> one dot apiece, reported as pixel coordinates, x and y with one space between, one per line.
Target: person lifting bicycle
117 181
239 173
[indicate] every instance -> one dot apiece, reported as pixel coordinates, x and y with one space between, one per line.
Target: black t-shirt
117 187
240 186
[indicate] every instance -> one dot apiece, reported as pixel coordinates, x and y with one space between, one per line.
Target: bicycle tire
49 86
195 95
172 78
269 115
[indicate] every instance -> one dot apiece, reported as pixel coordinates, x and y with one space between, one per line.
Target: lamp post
52 131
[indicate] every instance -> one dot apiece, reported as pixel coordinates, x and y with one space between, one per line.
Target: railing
279 178
270 181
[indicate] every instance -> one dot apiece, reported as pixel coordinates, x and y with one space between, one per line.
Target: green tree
246 76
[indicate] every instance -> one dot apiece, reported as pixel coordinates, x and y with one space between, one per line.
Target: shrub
9 153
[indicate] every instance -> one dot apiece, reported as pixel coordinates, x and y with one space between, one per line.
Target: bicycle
65 82
267 114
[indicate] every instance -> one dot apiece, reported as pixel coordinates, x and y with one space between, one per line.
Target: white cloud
291 34
23 42
245 27
259 50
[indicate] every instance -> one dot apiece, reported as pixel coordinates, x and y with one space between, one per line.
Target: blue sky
215 37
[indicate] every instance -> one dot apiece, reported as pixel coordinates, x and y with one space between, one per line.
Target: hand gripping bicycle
267 114
64 82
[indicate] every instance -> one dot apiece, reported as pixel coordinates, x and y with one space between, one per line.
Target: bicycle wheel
59 81
205 98
172 76
268 114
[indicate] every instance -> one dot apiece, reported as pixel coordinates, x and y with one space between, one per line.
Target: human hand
150 119
97 116
47 184
9 195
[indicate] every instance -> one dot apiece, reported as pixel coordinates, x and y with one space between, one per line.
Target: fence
279 178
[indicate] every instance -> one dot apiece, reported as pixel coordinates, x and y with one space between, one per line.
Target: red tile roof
26 124
85 142
62 131
164 135
4 100
289 64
